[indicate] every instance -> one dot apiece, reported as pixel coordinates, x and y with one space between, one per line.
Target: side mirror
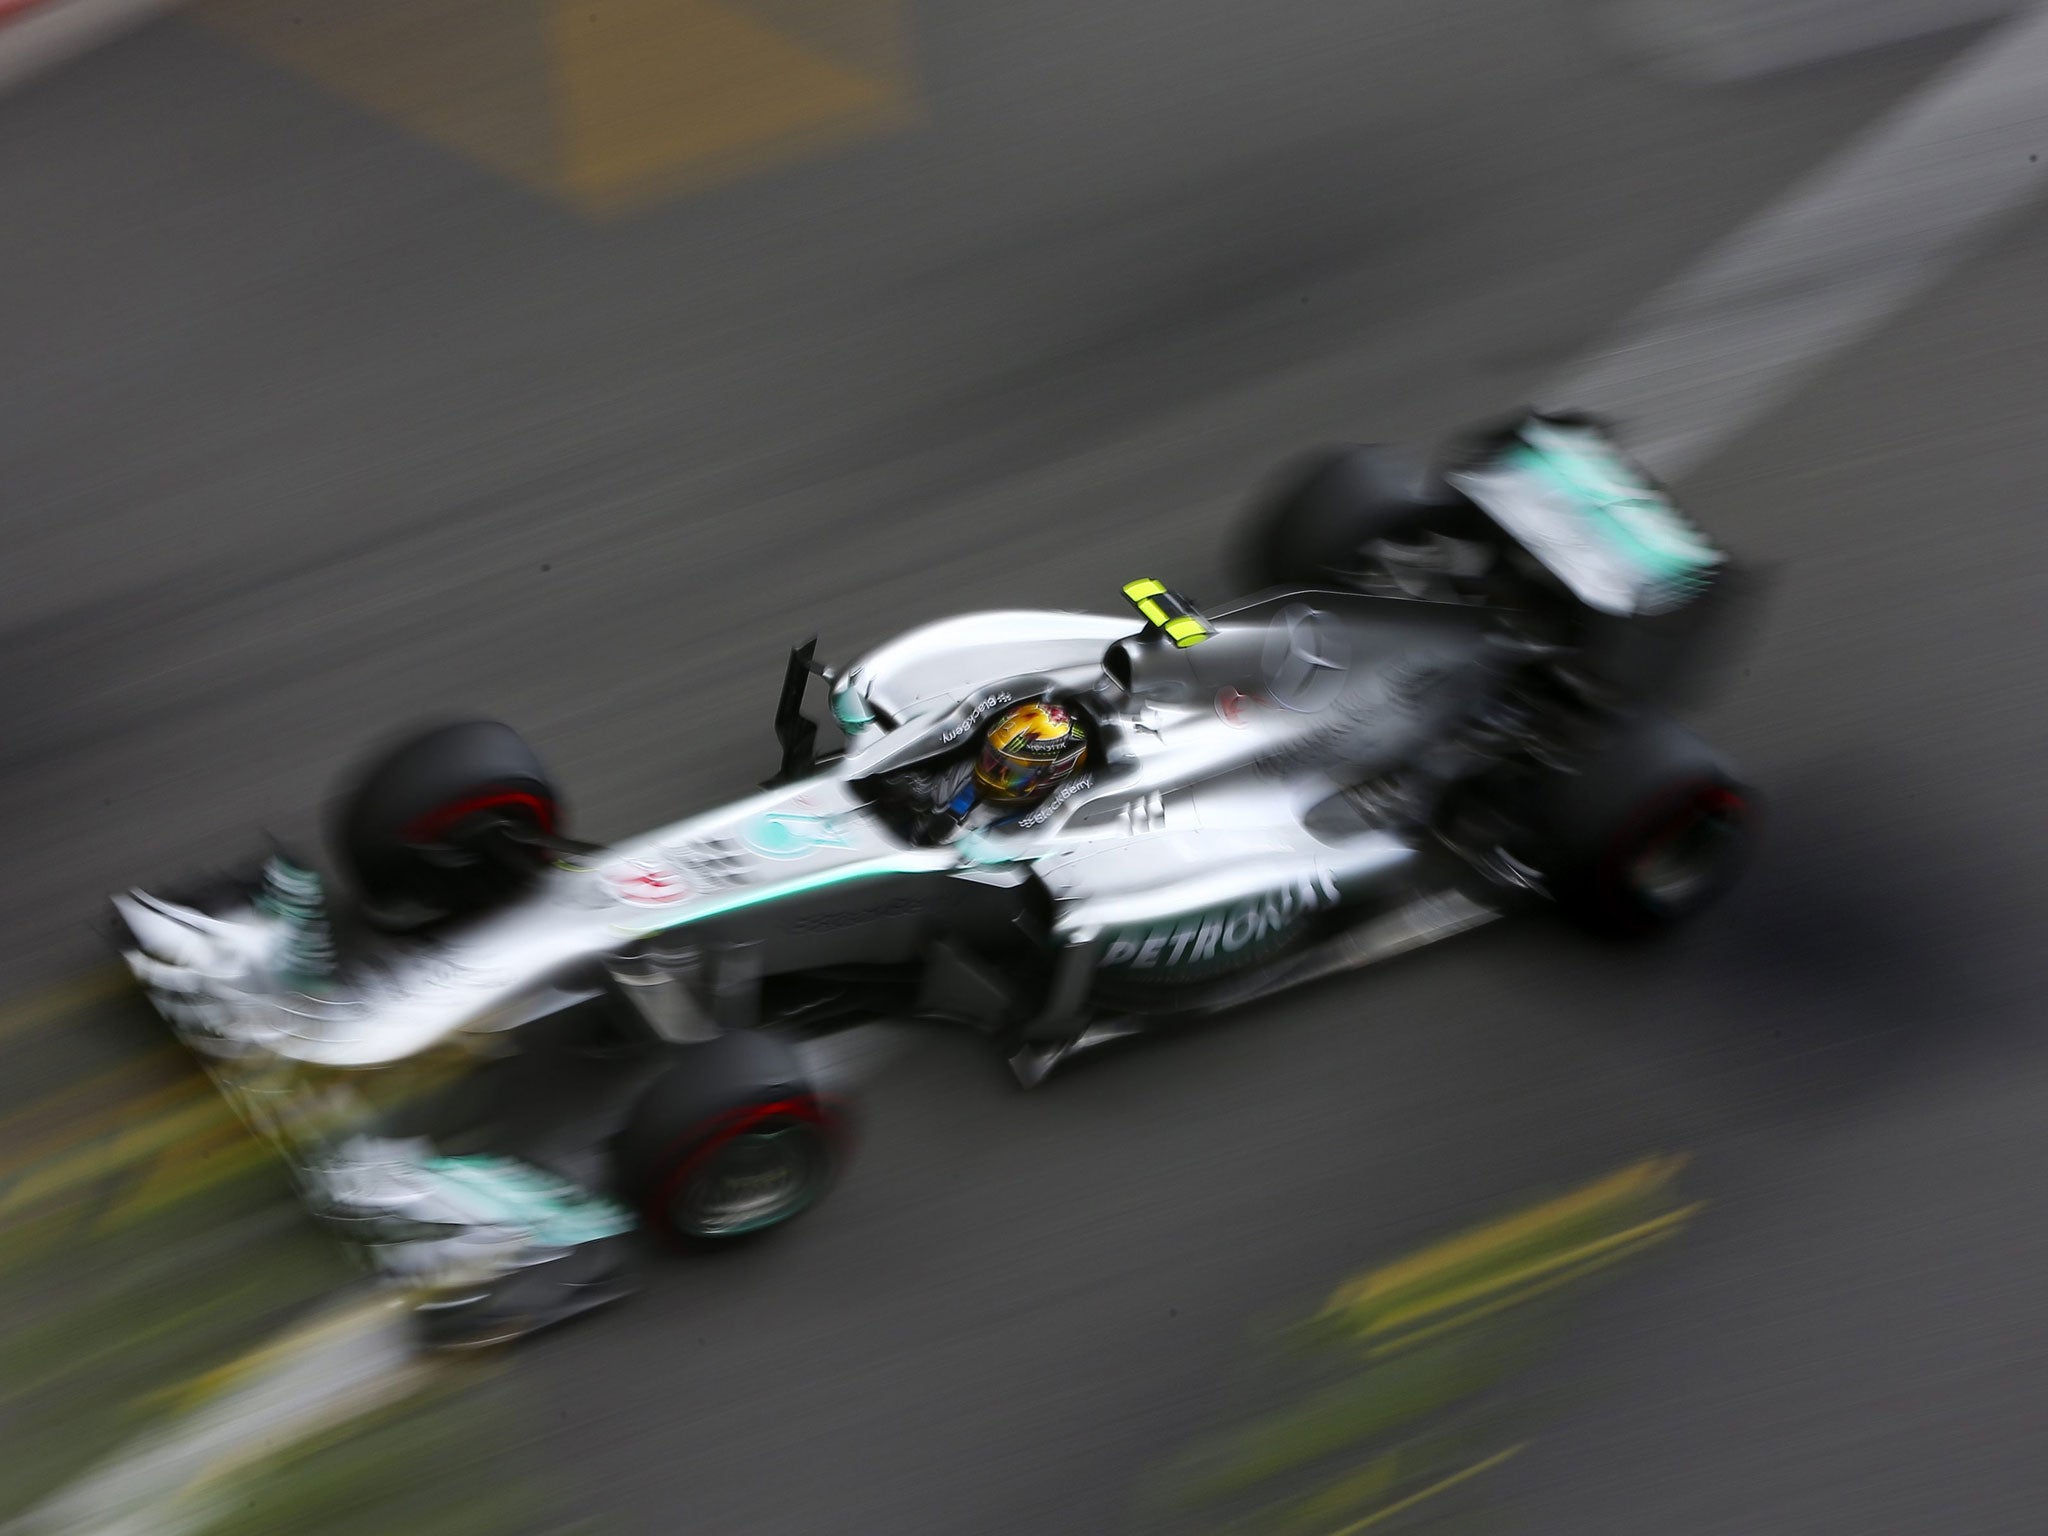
797 733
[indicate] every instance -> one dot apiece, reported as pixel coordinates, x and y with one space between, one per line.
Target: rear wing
1663 610
1564 489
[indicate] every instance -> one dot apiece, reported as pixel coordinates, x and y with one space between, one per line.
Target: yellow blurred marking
1630 1238
127 1100
653 88
216 1154
607 104
1441 1485
185 1137
470 75
54 1004
1528 1293
1369 1482
1444 1260
147 1140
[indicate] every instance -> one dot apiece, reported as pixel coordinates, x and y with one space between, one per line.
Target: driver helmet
1029 749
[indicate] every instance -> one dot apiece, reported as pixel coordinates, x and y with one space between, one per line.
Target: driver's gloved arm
943 800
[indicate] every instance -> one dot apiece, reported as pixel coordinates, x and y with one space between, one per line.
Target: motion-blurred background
566 360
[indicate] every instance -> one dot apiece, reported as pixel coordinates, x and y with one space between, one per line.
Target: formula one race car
506 1049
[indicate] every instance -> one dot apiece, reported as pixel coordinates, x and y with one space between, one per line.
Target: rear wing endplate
1564 489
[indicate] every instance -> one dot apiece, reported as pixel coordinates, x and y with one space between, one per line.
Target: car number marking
647 884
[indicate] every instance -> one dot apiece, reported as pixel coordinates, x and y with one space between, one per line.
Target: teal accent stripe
781 892
851 710
558 1214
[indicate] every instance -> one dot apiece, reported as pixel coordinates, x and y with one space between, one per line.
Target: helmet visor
1012 776
1003 775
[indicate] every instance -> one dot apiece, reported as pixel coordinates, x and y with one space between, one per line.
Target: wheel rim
750 1180
1685 859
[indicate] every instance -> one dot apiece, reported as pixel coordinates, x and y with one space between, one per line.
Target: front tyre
445 823
1652 830
729 1140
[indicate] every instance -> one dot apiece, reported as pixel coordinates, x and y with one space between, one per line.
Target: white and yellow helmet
1028 750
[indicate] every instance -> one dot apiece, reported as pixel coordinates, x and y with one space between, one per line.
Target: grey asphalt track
307 428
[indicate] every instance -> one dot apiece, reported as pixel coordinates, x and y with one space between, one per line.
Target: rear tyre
1333 517
445 823
1653 830
730 1140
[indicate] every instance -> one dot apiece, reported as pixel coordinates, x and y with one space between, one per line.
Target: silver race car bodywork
1264 801
1191 819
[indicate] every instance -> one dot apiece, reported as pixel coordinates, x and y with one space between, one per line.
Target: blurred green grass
1408 1382
148 1245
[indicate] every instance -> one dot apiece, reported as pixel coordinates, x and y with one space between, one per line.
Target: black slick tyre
1652 830
729 1140
445 822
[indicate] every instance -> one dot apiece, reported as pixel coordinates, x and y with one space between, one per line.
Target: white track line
1720 42
1829 262
180 1479
47 34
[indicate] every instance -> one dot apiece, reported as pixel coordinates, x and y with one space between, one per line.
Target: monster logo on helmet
1029 750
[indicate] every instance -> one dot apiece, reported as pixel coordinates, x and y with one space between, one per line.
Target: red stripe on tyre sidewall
705 1141
1660 821
435 825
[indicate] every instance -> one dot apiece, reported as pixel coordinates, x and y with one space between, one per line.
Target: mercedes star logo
1305 659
